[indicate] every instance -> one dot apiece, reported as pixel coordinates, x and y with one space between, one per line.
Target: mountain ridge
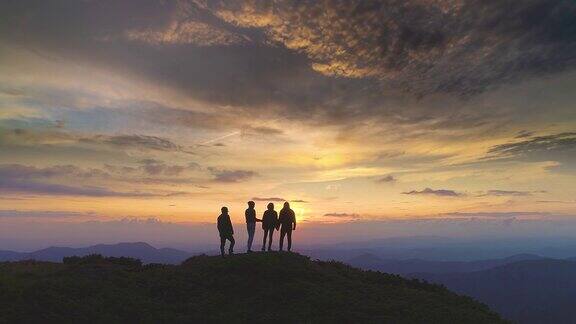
370 261
139 250
529 291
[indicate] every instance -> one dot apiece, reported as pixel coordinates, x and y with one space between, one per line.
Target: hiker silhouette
287 221
251 220
226 231
269 224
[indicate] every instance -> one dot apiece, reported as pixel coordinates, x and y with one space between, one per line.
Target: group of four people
285 222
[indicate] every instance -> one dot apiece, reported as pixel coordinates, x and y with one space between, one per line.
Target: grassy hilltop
277 287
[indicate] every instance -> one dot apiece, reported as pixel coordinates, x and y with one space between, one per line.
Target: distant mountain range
524 288
370 261
531 291
138 250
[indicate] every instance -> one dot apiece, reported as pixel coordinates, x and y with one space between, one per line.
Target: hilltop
282 287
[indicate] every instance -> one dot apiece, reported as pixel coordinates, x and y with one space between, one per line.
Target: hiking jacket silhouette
225 225
287 218
250 215
270 219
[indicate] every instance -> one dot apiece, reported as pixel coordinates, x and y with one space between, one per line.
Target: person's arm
220 225
294 218
277 220
230 225
255 218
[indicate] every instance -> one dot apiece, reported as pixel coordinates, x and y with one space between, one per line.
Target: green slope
280 287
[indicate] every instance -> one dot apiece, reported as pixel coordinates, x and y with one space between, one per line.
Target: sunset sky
354 111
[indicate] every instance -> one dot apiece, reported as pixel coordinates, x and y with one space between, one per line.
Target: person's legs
231 248
282 234
251 227
264 239
270 233
289 236
222 243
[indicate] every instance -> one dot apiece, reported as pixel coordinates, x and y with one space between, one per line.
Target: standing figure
226 231
287 222
269 224
251 224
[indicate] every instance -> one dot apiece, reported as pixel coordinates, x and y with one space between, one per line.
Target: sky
356 112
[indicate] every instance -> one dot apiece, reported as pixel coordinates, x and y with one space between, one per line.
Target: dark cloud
40 132
556 202
433 192
507 193
120 169
155 167
18 179
524 134
230 176
563 142
142 142
342 215
9 186
43 213
556 147
18 171
323 62
386 179
261 130
274 199
425 47
299 201
495 214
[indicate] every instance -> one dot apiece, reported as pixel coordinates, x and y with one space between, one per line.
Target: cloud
40 132
556 202
7 186
560 148
155 167
278 199
231 176
43 213
186 26
261 130
496 214
563 142
323 63
438 192
142 142
20 179
386 179
185 32
342 215
507 193
274 199
421 46
18 171
524 134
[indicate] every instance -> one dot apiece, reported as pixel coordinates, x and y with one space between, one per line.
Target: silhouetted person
251 224
269 224
287 221
226 231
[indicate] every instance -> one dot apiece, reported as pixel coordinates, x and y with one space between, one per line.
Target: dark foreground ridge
258 287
